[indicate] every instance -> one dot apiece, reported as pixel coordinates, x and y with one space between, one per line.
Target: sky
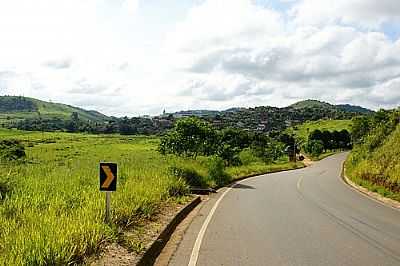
137 57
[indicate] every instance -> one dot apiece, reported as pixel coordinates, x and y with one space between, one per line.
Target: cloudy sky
135 57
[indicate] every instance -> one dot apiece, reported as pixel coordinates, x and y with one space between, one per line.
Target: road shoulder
372 195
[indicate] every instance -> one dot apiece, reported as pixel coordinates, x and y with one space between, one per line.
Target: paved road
302 217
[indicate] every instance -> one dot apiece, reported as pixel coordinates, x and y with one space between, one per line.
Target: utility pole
294 149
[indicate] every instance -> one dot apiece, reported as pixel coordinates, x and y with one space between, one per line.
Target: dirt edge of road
150 255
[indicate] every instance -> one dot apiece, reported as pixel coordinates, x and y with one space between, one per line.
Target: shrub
216 171
314 147
5 186
11 150
190 176
247 157
178 188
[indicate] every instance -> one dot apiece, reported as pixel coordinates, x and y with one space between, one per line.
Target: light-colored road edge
391 203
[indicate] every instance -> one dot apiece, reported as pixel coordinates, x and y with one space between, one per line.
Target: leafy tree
232 142
267 148
190 137
360 128
314 147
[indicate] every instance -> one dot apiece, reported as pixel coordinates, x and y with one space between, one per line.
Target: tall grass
377 164
53 213
51 210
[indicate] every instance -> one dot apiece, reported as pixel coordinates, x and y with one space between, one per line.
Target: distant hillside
266 118
354 109
342 107
32 114
15 108
310 104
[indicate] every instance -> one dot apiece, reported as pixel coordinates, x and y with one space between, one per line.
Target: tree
316 135
327 140
360 127
190 137
73 124
232 142
314 147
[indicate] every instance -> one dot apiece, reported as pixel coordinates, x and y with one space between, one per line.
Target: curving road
302 217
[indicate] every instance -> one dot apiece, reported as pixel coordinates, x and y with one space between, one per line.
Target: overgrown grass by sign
52 212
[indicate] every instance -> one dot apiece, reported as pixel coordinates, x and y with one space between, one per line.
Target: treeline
124 126
193 137
375 156
322 141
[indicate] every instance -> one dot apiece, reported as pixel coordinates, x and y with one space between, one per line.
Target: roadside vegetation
240 151
51 210
322 138
374 161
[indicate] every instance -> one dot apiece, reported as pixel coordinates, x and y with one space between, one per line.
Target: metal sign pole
108 203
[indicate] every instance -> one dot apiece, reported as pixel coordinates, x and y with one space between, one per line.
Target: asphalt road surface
302 217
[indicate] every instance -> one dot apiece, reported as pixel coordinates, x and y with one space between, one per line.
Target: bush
178 188
190 176
314 147
247 157
216 171
5 186
11 150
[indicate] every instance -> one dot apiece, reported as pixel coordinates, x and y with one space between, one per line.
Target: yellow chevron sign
108 176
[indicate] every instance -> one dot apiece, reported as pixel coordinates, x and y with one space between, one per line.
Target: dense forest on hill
16 104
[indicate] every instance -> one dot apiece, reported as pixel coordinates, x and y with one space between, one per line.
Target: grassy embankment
303 131
377 167
51 212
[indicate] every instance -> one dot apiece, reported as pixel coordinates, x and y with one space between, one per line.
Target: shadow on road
243 186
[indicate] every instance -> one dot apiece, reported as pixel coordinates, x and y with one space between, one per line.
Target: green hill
312 104
15 108
374 161
354 109
269 119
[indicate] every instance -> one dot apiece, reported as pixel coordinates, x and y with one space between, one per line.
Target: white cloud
105 55
365 13
328 62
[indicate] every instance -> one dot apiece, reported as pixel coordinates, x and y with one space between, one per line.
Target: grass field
51 210
302 131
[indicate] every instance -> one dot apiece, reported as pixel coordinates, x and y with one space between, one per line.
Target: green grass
379 169
256 168
302 131
383 191
53 212
323 155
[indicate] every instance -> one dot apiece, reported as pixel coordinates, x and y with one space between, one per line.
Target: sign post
108 204
108 183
